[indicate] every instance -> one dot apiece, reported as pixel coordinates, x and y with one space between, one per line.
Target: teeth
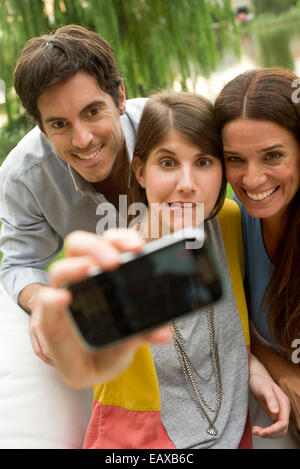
89 156
262 195
185 204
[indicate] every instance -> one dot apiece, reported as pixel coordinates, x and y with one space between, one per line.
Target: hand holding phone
78 366
164 281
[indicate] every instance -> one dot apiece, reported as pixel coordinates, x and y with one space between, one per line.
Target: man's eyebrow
88 106
97 102
53 119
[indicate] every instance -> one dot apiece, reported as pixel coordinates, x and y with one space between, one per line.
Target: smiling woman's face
262 161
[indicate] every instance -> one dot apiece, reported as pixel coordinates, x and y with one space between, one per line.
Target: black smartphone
164 281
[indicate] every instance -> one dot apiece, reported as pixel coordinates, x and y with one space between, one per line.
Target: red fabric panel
246 441
113 427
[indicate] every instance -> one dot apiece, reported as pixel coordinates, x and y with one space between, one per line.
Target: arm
28 244
275 403
284 373
80 367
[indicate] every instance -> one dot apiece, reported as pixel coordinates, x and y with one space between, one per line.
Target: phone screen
140 294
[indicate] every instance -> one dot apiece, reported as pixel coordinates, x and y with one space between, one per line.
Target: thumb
51 305
272 405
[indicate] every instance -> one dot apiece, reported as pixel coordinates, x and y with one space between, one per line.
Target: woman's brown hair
270 94
188 114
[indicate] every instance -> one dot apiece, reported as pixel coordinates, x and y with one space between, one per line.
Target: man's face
83 124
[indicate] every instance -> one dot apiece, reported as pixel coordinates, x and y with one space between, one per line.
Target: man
76 158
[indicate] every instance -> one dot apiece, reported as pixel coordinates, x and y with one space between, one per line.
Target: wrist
28 295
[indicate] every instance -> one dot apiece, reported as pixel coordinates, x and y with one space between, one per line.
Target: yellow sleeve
231 228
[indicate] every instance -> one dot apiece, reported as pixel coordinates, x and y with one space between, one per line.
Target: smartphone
162 282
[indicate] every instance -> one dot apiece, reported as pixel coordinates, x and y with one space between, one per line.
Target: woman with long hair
258 114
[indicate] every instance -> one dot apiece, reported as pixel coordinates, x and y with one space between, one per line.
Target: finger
272 406
69 270
38 350
124 239
284 406
81 243
159 336
52 304
277 430
106 249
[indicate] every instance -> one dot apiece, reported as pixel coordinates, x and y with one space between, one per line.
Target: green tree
155 41
272 6
274 45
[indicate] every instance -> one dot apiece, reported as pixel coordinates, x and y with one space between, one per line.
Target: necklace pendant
212 431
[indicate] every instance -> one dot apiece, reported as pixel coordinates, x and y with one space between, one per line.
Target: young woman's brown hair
270 94
188 114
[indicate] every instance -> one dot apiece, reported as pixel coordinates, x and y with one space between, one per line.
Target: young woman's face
262 161
178 177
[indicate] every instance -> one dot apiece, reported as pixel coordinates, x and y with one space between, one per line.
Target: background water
268 46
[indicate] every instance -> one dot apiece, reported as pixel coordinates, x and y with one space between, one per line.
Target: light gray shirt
42 199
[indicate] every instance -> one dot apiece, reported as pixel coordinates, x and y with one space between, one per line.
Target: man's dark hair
52 58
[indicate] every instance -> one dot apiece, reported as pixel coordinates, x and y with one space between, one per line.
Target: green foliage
229 191
272 6
11 133
274 45
18 22
154 40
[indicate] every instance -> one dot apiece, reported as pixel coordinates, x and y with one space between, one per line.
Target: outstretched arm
80 367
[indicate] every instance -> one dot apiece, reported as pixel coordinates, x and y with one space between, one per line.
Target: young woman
193 391
258 114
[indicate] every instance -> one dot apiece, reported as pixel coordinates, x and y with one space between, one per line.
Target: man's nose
81 136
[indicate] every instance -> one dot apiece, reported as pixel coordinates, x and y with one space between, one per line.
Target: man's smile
91 155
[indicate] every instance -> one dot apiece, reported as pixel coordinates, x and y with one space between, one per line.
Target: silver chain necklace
189 371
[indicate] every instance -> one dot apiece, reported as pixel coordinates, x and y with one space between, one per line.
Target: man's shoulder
135 104
32 150
134 109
